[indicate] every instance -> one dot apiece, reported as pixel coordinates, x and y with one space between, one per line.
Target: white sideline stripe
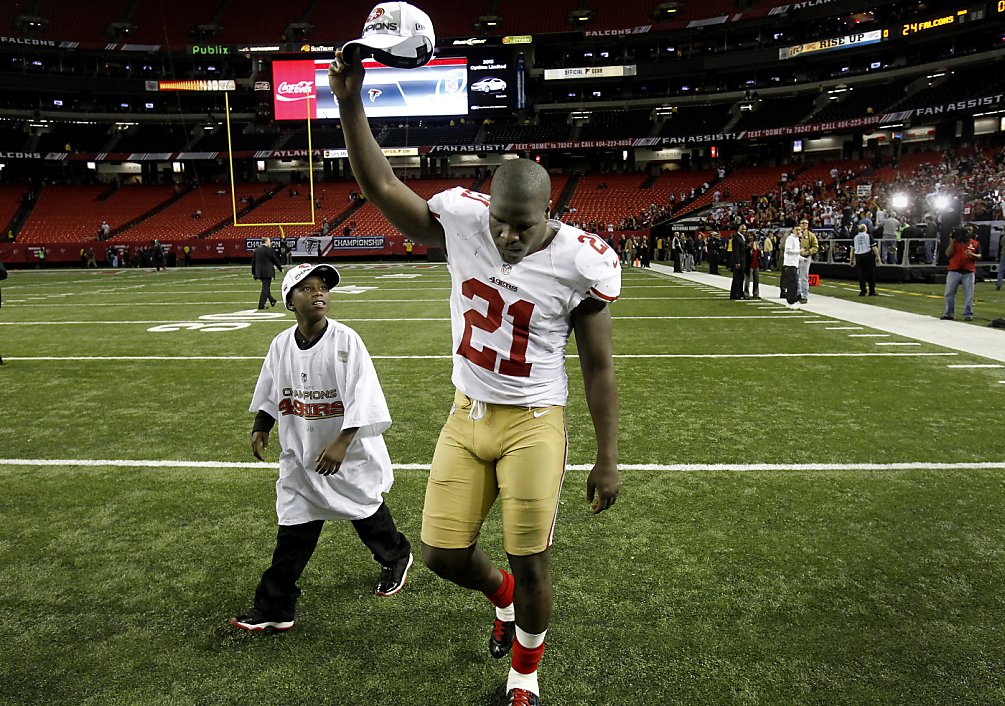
844 328
698 356
868 335
977 365
895 343
680 467
818 321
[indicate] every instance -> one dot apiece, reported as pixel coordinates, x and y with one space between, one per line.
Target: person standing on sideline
1001 261
713 244
264 263
963 253
319 382
863 258
3 276
521 282
158 255
808 247
768 248
752 274
738 261
891 230
931 239
790 269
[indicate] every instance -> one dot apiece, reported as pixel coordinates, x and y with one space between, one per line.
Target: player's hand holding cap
396 34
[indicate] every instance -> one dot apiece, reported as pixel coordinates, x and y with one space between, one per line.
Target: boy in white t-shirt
319 382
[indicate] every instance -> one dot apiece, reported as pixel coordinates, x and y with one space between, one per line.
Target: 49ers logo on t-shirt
311 410
292 403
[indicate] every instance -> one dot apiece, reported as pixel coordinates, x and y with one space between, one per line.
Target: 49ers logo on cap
380 21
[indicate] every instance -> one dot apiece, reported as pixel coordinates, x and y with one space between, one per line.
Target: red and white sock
527 650
502 597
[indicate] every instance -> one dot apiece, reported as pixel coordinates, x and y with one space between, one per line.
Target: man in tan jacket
808 247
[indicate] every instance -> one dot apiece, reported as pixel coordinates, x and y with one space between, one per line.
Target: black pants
266 295
790 284
866 265
277 591
713 263
736 288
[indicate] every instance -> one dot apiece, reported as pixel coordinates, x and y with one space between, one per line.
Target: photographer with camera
963 252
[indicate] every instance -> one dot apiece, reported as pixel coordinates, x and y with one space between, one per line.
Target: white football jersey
315 394
511 323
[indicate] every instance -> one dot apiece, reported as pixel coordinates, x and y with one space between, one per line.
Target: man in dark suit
738 262
264 263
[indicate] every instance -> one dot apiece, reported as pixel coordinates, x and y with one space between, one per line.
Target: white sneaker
795 305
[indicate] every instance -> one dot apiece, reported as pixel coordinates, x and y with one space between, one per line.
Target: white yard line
695 356
672 467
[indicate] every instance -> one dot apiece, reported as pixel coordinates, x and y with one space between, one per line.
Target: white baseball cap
396 34
296 274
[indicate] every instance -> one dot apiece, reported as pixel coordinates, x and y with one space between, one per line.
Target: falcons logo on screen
374 93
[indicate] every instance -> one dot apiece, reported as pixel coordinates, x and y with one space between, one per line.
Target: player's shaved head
522 180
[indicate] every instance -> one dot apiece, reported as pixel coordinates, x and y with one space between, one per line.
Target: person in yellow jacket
808 247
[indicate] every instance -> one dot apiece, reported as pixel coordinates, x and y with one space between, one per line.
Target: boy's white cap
296 274
396 34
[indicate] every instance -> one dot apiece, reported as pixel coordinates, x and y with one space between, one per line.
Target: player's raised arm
406 210
592 323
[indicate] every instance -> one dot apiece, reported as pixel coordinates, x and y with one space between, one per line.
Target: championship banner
314 246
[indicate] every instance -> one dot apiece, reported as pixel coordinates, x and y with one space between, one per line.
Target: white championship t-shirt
315 394
511 323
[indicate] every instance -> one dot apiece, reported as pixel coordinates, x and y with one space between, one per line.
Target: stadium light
941 202
899 202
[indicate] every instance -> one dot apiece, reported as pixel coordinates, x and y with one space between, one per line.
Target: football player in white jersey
520 284
319 382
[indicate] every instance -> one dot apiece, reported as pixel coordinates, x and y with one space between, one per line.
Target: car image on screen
489 84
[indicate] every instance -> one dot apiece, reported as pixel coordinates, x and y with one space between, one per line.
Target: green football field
809 514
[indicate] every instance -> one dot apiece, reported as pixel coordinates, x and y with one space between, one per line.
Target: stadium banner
251 244
193 85
848 41
21 155
825 127
797 6
640 29
590 72
314 246
957 106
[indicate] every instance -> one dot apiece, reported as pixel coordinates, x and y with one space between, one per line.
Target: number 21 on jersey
519 312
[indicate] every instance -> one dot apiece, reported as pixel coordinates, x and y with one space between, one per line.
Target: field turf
806 516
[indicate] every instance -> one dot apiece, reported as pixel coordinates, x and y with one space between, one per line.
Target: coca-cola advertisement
438 88
294 90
